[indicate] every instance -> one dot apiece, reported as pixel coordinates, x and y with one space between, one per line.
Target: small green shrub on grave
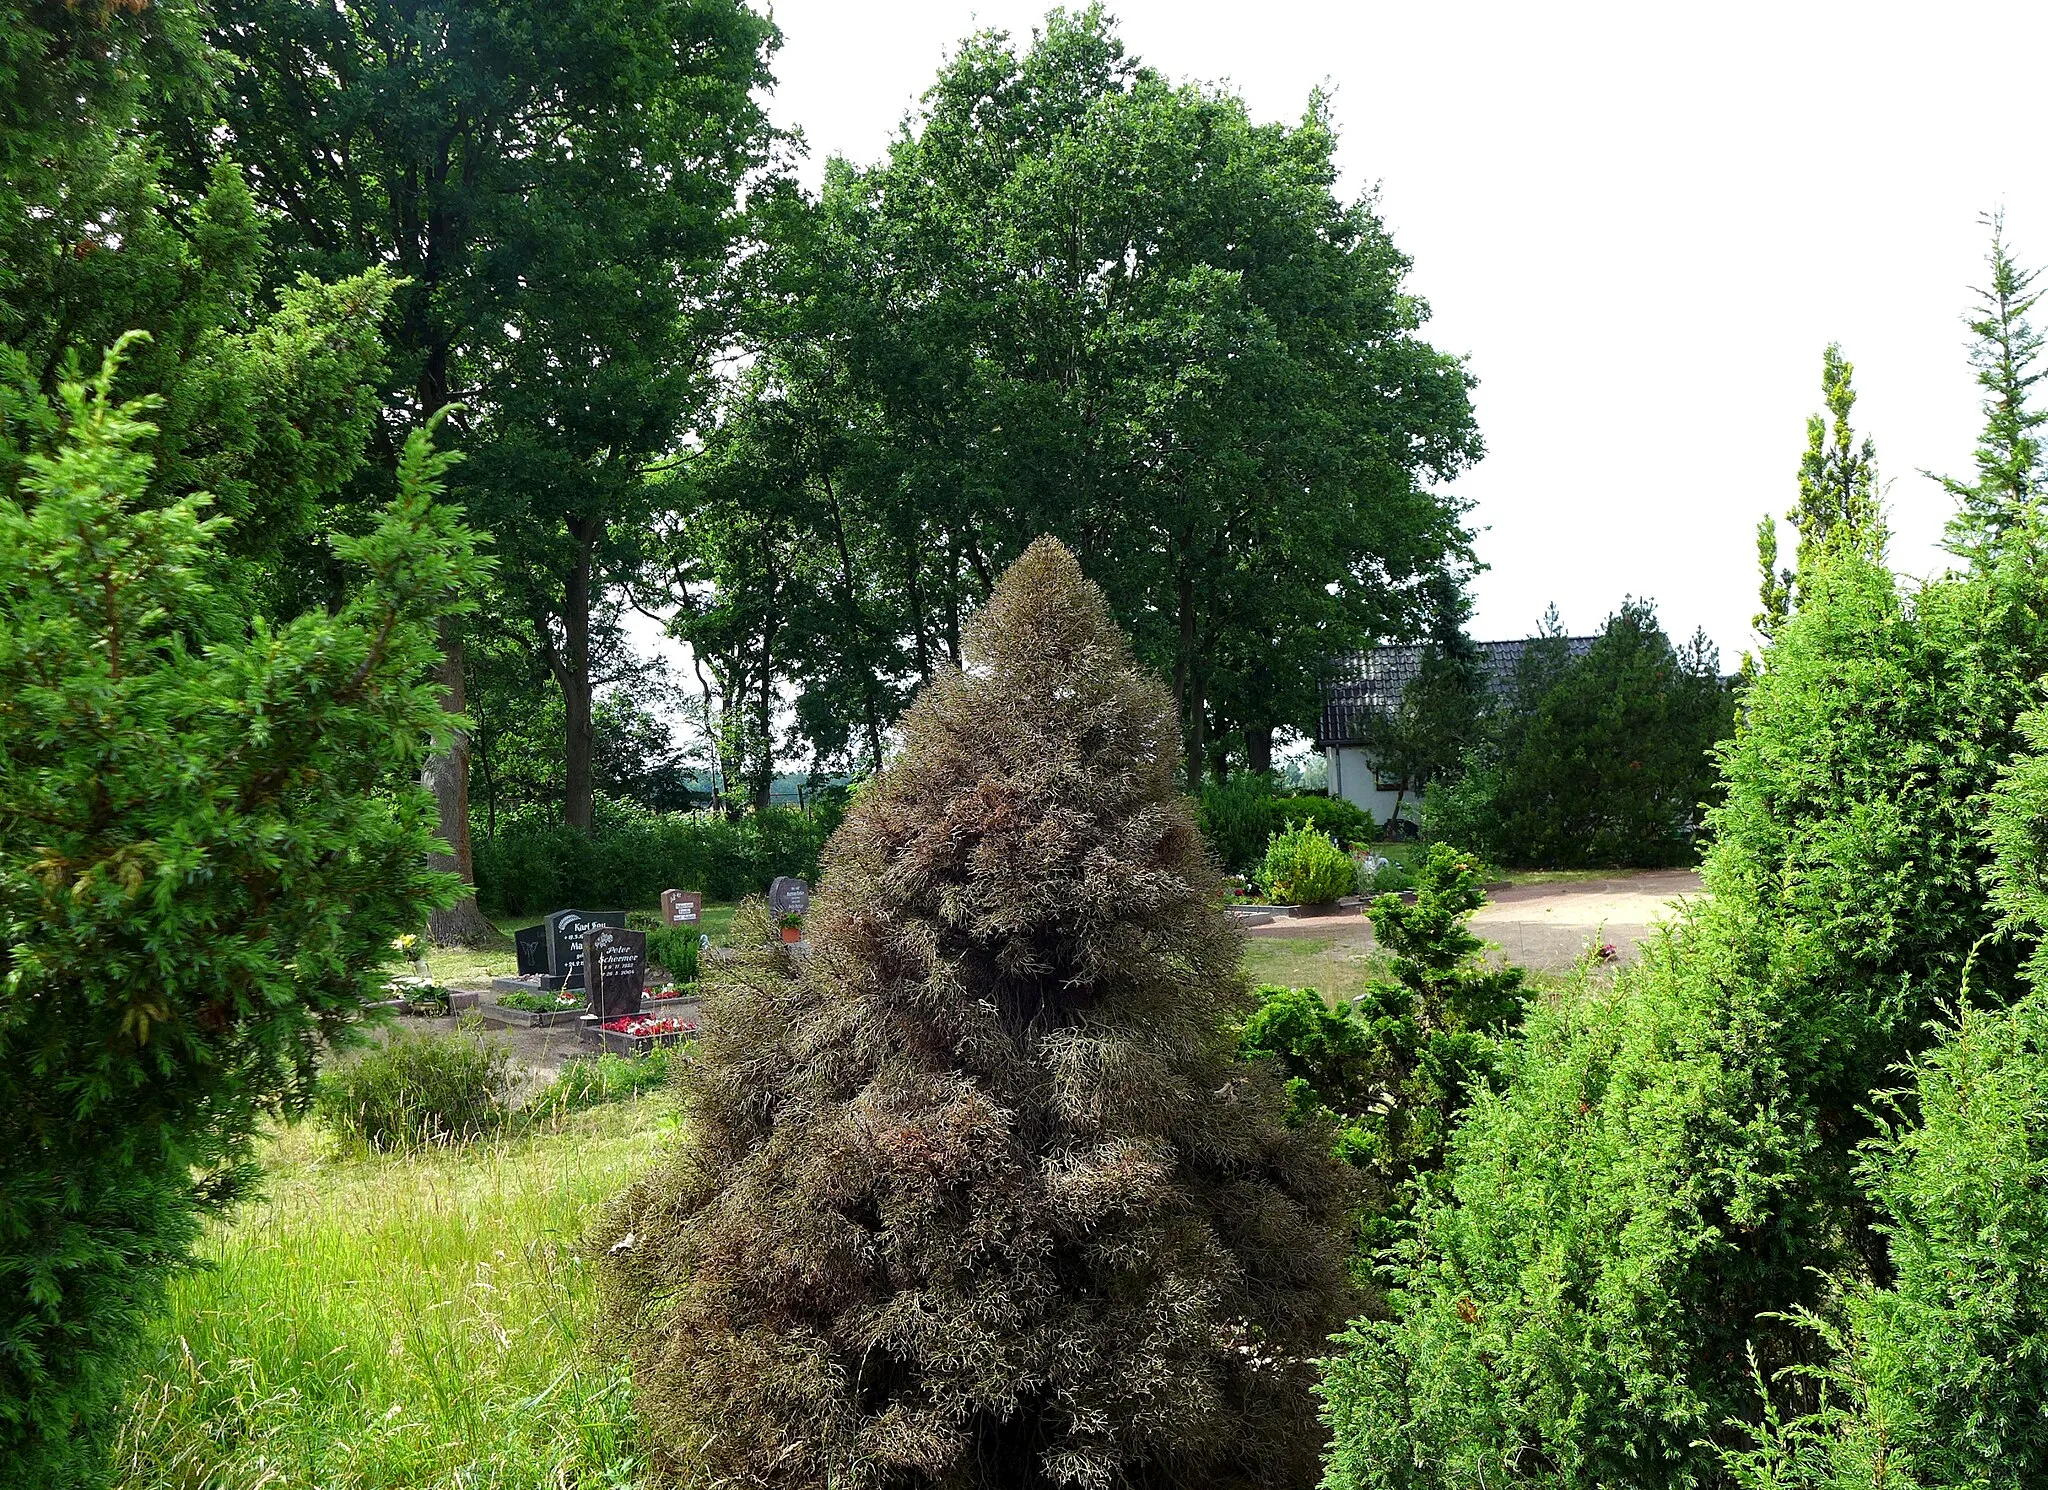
674 948
1305 867
419 1090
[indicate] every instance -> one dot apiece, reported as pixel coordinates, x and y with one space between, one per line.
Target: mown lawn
418 1321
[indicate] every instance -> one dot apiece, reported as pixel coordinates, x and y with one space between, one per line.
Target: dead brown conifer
974 1193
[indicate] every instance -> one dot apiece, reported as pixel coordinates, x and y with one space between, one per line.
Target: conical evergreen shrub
974 1192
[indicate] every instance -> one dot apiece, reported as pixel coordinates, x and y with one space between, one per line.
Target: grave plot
549 987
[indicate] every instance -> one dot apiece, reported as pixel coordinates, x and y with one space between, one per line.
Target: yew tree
973 1191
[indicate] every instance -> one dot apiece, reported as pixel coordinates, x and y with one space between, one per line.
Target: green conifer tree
204 855
2006 354
1838 495
976 1192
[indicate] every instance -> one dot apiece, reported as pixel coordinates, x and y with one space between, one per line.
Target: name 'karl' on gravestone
682 907
789 896
565 941
617 960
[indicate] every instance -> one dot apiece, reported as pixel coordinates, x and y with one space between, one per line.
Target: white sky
1641 222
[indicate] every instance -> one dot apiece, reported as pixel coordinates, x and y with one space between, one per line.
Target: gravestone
565 941
789 896
617 962
530 945
682 907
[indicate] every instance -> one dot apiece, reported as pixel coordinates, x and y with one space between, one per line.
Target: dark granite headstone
530 945
565 941
682 907
789 896
619 958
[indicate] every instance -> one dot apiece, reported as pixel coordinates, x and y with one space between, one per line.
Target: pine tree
1838 495
2010 478
975 1194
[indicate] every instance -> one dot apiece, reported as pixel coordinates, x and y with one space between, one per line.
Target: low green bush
1239 817
417 1090
675 949
529 867
1304 866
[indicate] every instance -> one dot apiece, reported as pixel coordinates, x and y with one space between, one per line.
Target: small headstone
565 941
682 907
789 896
530 945
617 959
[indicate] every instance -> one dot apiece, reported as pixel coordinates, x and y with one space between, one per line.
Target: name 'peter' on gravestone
565 941
617 960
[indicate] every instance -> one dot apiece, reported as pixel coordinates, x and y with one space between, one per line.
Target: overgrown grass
414 1321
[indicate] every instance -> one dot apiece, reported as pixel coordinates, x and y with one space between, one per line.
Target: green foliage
418 1089
1838 497
1937 1377
1607 760
674 948
1240 815
1393 1070
1671 1169
559 182
536 1003
2010 475
1077 299
959 1201
1304 866
604 1078
205 854
634 855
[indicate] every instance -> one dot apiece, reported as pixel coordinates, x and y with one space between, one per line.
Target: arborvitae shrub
1672 1164
975 1193
205 851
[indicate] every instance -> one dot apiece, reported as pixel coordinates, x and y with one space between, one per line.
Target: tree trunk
579 797
1258 747
1186 698
447 777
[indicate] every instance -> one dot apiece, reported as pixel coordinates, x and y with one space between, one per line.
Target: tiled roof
1362 687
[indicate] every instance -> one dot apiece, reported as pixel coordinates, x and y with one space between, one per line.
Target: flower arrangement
792 926
641 1025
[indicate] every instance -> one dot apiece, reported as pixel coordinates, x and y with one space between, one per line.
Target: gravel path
1541 926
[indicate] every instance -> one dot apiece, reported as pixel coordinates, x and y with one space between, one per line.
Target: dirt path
1539 926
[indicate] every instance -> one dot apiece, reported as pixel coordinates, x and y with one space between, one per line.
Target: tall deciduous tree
556 185
2006 353
1079 299
975 1194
